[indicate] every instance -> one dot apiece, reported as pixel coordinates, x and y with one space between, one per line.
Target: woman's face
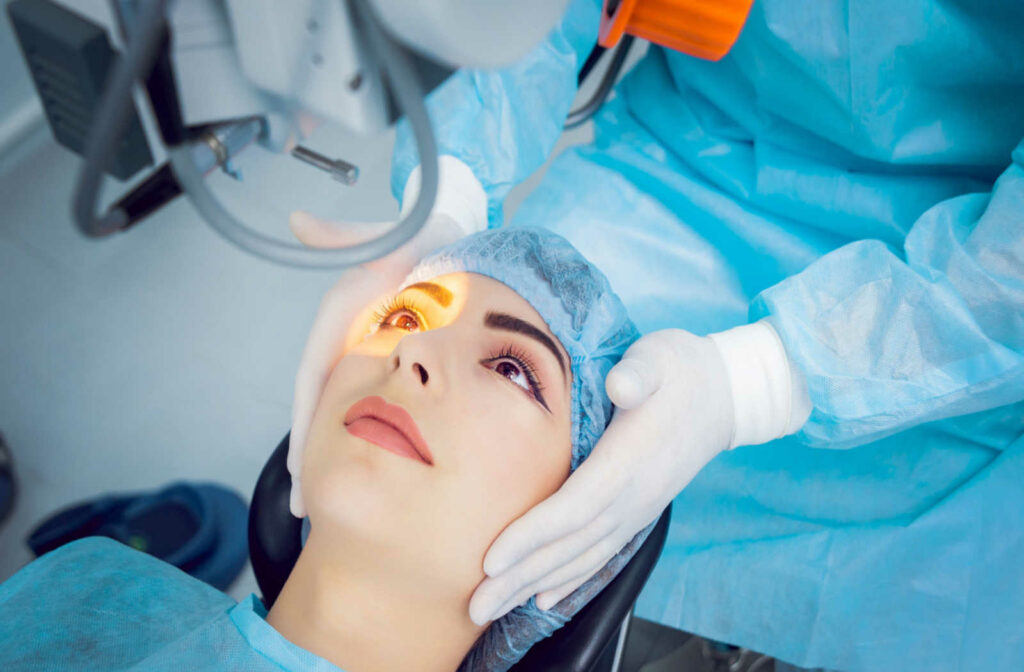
484 384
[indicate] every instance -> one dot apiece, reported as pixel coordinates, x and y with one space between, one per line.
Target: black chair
587 643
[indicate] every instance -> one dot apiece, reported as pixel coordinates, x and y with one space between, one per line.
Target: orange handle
703 28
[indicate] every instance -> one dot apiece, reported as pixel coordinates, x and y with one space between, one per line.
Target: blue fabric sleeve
504 123
889 340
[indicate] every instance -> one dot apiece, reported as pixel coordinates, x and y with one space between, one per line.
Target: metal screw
342 171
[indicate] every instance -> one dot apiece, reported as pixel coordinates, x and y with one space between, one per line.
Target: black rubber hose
580 115
111 119
588 65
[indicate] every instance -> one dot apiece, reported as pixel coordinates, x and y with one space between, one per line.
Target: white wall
20 111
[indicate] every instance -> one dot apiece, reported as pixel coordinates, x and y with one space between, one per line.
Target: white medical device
161 92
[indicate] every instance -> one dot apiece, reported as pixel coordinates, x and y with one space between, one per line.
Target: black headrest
275 535
275 540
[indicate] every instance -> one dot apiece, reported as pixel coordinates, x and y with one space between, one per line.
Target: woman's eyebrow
436 292
507 322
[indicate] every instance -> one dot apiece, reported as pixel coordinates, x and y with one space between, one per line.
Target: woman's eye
402 319
513 372
519 370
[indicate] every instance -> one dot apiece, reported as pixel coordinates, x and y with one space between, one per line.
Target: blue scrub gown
854 171
96 604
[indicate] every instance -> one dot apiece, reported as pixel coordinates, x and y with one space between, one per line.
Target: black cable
588 65
111 118
156 191
580 115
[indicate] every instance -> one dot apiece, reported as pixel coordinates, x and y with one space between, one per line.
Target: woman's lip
395 417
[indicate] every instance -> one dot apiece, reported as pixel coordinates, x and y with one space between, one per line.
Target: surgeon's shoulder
100 574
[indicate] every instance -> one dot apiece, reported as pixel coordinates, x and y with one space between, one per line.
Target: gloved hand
681 399
459 209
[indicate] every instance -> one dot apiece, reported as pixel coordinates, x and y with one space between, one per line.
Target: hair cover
581 310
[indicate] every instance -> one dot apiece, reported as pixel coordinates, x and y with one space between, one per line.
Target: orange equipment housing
703 28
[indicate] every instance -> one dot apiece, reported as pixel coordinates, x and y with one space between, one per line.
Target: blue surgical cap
581 310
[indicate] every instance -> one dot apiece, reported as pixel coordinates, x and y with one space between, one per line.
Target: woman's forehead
474 295
475 292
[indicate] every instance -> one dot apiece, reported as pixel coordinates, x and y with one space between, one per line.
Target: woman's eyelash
391 306
521 358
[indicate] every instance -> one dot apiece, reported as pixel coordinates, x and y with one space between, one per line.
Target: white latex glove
459 209
681 399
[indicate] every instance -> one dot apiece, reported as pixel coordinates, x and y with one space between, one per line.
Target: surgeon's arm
888 341
504 123
875 341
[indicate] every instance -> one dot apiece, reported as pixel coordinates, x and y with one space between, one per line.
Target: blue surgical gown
96 604
852 170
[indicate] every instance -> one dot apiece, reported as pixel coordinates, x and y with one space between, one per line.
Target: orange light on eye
407 323
363 327
703 28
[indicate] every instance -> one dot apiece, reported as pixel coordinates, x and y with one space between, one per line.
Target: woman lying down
461 402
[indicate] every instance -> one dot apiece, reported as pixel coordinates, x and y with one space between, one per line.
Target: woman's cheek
533 464
517 448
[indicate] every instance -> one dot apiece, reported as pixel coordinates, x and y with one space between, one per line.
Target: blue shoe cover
199 528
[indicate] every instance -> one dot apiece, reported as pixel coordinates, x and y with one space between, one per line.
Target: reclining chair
587 643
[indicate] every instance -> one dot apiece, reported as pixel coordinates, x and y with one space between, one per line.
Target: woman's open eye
402 319
399 314
517 368
511 370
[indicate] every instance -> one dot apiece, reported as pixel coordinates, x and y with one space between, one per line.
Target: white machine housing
301 62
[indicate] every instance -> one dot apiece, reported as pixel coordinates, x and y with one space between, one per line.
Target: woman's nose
417 368
413 357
